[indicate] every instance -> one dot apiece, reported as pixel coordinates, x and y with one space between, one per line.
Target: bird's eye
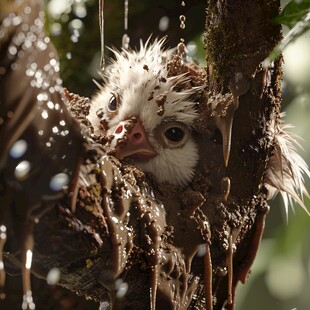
113 103
174 134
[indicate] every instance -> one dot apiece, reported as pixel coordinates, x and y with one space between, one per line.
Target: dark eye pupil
174 134
112 103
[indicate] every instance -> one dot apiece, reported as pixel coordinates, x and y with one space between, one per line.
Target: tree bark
176 249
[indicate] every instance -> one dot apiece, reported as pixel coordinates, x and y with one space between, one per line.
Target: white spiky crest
136 76
127 74
287 168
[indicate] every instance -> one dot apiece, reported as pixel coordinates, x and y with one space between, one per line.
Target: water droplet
12 50
55 29
55 129
18 149
16 20
42 97
59 181
182 21
44 114
121 288
53 276
28 303
163 23
202 250
27 10
50 105
28 259
2 270
22 170
183 3
62 123
221 271
125 41
69 56
64 133
76 26
79 10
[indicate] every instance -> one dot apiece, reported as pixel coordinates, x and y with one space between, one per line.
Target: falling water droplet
80 10
18 149
27 253
163 23
58 181
53 276
182 21
183 3
121 288
125 41
2 270
125 38
22 170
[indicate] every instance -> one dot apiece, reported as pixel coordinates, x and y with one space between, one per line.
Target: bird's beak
137 145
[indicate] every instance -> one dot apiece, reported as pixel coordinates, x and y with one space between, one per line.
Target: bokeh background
280 277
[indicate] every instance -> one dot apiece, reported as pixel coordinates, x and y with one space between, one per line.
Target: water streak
126 15
101 27
125 38
27 252
2 270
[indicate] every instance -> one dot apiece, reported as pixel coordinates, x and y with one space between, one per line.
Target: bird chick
144 100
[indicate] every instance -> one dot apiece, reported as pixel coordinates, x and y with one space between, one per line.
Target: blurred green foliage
79 48
294 12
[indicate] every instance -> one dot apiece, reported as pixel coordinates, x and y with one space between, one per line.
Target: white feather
138 77
287 168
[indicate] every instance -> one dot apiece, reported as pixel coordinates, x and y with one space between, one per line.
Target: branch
109 229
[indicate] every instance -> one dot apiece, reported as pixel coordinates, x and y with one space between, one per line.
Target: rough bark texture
189 248
239 36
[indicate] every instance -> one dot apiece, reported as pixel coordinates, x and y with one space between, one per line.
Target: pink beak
137 146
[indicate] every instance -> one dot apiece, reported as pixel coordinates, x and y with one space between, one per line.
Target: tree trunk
176 249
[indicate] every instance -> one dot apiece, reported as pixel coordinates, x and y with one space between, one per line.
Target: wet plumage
142 101
286 169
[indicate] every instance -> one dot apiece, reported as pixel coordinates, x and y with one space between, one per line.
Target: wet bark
239 36
189 248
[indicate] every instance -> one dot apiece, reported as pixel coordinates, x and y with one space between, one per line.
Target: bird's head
146 107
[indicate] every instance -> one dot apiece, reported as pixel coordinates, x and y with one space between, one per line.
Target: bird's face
140 101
